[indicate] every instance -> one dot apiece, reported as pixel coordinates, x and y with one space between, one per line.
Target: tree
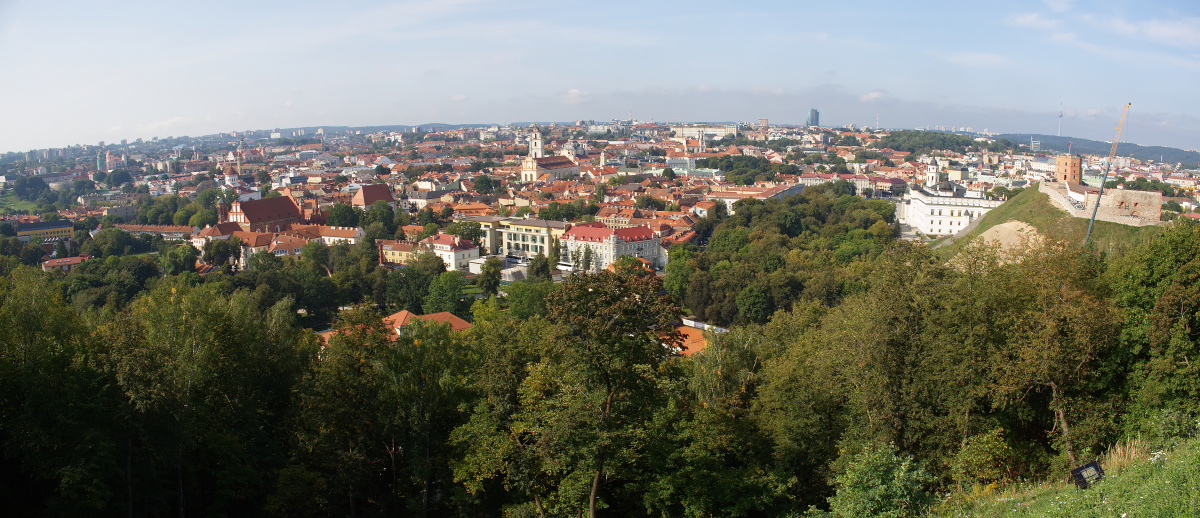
754 304
677 269
263 177
424 378
556 254
489 276
469 230
527 298
496 440
630 265
585 263
60 249
619 334
540 268
1059 326
379 212
342 215
646 201
484 184
445 294
668 173
118 178
264 261
180 259
29 187
203 219
407 288
316 255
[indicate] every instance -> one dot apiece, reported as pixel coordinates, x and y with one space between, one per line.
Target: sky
80 72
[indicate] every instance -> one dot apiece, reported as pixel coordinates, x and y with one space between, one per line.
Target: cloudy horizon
83 73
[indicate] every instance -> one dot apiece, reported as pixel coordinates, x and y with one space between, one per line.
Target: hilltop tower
1068 169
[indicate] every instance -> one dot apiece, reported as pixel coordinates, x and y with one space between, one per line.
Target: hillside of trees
1169 155
925 142
860 376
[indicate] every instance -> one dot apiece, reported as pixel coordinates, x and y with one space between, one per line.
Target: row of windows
526 247
65 231
952 212
527 238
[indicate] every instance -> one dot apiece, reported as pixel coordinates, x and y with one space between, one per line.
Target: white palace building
942 209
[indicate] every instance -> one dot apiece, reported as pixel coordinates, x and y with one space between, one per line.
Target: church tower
535 145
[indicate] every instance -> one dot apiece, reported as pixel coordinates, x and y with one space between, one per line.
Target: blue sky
81 72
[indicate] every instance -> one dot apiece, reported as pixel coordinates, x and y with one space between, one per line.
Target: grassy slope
9 199
1036 209
1153 484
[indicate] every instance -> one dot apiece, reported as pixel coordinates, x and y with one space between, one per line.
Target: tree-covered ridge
925 142
860 376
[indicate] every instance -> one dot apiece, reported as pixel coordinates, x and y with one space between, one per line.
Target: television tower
1060 119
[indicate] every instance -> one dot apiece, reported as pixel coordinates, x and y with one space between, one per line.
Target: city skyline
143 70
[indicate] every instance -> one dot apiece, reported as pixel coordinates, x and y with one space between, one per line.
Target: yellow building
395 252
529 237
61 229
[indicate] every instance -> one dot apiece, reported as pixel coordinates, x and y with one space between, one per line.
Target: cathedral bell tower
535 145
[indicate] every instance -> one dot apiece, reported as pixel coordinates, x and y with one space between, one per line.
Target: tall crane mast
1112 153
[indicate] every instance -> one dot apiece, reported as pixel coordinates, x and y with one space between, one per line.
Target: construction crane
1112 153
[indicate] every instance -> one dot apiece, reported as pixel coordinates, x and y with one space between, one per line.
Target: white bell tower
535 145
932 176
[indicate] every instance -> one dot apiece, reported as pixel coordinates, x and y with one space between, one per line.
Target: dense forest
860 376
926 142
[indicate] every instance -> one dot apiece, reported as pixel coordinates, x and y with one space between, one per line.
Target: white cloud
1033 21
869 97
458 98
574 96
1093 112
1182 32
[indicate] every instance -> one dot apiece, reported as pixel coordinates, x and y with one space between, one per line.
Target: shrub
880 482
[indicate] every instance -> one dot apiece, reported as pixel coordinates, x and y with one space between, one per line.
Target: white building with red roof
452 250
608 244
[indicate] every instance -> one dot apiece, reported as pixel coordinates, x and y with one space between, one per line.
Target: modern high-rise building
814 118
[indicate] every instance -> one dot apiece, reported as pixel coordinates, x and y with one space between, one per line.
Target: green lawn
1159 483
1036 209
9 201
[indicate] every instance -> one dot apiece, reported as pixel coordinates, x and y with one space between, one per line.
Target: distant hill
1170 155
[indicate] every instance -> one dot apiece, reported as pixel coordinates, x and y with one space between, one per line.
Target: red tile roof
404 317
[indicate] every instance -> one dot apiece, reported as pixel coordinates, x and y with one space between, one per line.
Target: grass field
9 201
1036 209
1138 482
